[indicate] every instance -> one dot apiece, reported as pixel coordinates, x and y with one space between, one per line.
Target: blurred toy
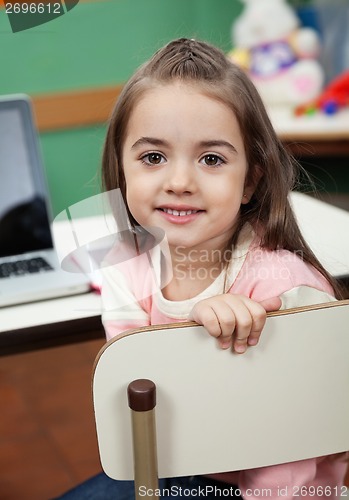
334 97
279 56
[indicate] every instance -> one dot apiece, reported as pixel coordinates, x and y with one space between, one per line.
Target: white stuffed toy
279 56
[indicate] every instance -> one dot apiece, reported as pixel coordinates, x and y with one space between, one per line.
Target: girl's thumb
272 304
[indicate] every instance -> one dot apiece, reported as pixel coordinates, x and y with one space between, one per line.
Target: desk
50 323
70 319
308 135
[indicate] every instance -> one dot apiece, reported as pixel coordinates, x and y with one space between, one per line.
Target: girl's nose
180 178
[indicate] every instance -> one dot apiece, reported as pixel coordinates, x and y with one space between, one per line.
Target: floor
48 441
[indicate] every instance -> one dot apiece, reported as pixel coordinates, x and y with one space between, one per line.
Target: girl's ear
252 179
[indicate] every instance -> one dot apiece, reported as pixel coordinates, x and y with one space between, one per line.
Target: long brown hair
200 64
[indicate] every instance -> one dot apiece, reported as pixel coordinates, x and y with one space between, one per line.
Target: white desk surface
46 312
317 126
325 228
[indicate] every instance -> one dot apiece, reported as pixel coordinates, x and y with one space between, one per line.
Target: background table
312 134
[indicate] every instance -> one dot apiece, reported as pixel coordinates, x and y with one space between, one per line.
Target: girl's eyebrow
152 141
218 143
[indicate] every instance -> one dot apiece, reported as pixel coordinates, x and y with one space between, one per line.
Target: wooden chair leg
142 401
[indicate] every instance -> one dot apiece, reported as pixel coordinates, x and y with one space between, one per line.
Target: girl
193 152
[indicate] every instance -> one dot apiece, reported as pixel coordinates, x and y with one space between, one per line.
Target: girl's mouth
180 213
182 216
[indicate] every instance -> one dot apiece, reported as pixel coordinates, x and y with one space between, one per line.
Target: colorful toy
278 54
334 97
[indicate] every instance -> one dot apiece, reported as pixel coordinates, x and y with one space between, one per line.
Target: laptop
29 266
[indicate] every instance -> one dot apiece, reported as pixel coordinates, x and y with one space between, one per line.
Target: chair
285 400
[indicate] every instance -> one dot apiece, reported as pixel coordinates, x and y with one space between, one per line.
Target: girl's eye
212 160
153 159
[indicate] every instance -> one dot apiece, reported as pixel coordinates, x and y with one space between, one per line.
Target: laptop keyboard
26 266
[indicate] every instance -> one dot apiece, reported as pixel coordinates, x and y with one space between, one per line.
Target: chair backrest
285 400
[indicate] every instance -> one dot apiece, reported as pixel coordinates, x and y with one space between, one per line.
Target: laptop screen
24 222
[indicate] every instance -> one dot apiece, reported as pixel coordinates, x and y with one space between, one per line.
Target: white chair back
284 400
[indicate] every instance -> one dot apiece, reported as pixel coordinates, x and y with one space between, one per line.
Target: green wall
97 43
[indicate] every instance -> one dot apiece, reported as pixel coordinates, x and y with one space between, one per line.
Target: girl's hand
234 319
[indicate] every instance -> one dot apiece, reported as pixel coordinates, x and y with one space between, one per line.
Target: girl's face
185 166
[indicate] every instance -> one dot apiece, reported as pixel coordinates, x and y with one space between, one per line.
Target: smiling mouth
179 213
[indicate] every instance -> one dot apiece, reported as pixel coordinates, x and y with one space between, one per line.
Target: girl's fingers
227 323
218 319
249 326
272 304
206 316
244 324
233 320
259 318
